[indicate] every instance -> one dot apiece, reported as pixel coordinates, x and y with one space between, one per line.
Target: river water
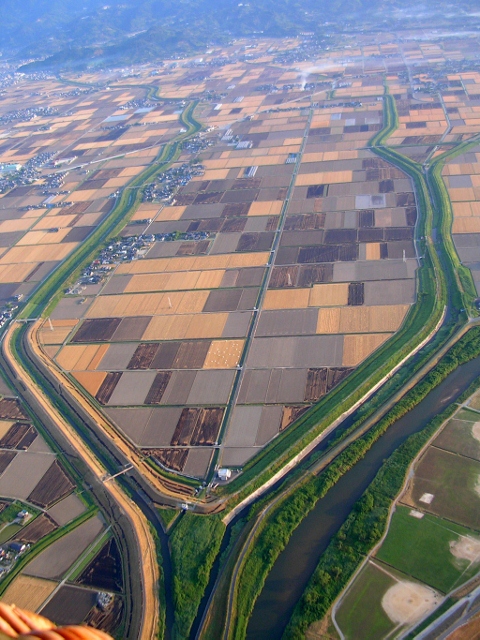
295 565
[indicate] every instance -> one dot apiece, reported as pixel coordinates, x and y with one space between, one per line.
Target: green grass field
465 414
361 616
421 549
453 480
458 437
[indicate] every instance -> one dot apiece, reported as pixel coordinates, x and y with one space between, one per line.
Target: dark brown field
38 529
105 570
143 356
197 427
11 410
97 330
158 387
175 459
356 293
70 605
290 414
5 458
19 436
54 485
108 386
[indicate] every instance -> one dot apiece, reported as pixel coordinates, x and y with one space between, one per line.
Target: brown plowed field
158 387
175 459
198 427
191 355
108 386
283 277
54 485
315 274
166 355
208 426
143 356
290 414
105 570
356 293
38 529
185 427
5 458
316 384
97 330
11 410
19 436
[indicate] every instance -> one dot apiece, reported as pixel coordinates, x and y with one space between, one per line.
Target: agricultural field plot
70 605
337 286
58 557
446 484
438 552
105 570
28 593
382 600
461 436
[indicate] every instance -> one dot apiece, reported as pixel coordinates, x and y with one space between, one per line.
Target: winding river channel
295 565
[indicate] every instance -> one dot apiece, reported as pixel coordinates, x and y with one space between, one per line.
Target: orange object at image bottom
19 623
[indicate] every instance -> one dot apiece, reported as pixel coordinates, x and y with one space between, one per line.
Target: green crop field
453 480
360 616
458 437
421 549
465 414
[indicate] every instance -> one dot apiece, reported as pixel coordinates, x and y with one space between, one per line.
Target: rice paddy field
273 271
432 546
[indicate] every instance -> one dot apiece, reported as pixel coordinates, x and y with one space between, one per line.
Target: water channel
295 565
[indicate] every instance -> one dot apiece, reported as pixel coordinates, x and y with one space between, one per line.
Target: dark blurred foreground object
18 623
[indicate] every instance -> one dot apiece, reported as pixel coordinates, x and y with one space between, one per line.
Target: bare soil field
97 330
108 387
39 528
54 485
11 410
406 602
19 436
70 605
5 458
105 570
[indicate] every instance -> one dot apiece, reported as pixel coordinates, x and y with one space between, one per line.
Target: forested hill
74 31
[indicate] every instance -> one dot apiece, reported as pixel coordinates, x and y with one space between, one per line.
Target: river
295 565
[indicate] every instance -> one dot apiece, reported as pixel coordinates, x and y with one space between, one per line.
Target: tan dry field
194 263
17 224
372 251
81 357
57 336
224 354
287 299
466 225
39 253
5 426
192 326
361 319
325 177
143 304
269 208
15 272
357 347
328 295
91 381
28 593
406 602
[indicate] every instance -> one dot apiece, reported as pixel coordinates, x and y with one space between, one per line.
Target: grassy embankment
195 543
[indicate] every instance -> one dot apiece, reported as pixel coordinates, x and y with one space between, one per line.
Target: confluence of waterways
295 565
